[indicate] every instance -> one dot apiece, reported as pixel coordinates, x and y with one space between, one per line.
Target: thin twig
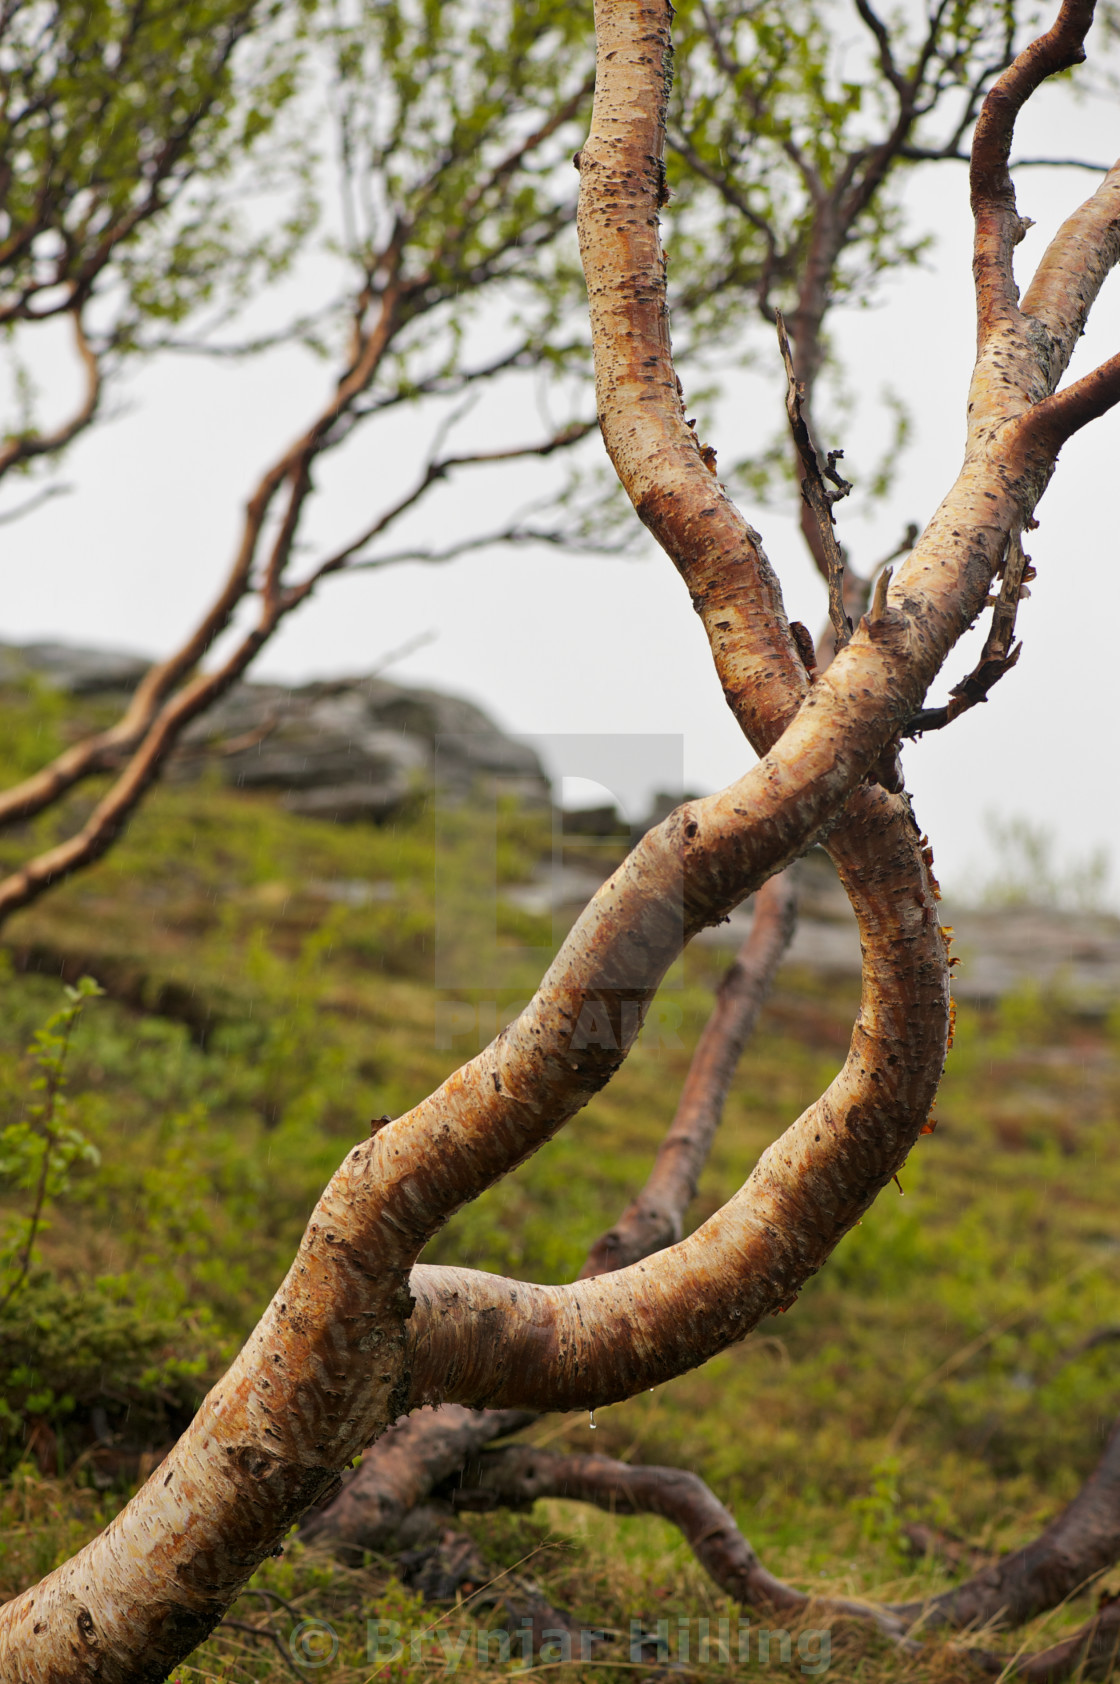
260 1631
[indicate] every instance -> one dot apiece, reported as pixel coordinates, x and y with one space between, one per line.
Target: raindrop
591 1419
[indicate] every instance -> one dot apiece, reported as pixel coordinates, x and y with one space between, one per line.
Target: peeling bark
404 1466
326 1369
357 1334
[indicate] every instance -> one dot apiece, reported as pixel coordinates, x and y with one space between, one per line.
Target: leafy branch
40 1150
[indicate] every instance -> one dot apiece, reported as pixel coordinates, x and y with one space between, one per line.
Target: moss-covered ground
271 989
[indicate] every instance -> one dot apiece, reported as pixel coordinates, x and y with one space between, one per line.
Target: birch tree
359 1333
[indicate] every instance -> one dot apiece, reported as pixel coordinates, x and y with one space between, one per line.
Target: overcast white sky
552 643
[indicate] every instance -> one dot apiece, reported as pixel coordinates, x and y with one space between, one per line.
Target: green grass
925 1374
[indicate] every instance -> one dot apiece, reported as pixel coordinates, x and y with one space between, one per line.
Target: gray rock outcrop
345 749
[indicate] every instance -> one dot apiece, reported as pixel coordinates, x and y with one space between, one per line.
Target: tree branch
1054 420
438 468
337 1355
882 39
142 727
1073 270
401 1470
775 264
998 226
482 1341
997 656
35 501
816 495
1080 1544
25 447
517 1476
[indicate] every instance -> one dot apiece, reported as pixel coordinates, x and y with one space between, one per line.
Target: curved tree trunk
400 1471
655 1218
357 1334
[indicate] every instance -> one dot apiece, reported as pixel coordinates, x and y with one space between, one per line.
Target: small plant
39 1152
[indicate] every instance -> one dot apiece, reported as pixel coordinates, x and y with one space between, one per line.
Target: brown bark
816 498
997 657
400 1471
138 732
1091 1652
25 447
345 1346
998 226
326 1369
519 1475
1078 1545
480 1340
155 720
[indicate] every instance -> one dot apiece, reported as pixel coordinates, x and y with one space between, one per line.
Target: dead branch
923 1540
998 655
1078 1545
269 1635
402 1470
816 495
1082 1543
517 1476
1090 1653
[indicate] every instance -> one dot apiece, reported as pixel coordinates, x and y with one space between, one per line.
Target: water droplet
591 1419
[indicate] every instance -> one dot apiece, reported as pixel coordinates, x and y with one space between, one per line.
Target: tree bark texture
400 1471
358 1334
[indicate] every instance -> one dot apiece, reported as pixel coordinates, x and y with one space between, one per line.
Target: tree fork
338 1356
